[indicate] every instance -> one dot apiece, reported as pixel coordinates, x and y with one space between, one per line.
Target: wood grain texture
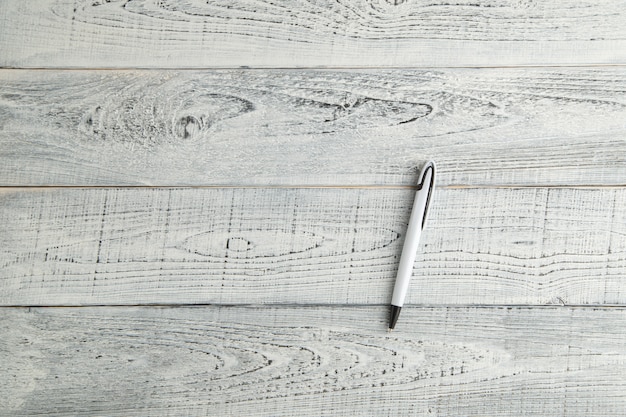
294 282
163 128
292 361
168 33
329 246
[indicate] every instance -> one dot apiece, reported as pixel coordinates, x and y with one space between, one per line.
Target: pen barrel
411 240
405 268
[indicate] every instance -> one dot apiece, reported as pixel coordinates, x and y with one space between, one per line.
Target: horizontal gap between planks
320 67
331 306
319 186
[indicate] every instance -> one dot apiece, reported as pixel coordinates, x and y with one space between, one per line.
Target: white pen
425 186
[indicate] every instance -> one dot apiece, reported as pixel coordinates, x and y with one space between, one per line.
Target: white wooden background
202 207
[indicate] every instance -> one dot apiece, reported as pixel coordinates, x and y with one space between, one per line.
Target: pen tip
389 330
393 317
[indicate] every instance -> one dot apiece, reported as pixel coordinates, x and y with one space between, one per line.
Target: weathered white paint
301 361
328 246
174 34
324 257
483 127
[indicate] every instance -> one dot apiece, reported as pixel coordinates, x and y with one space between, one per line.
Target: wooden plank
163 128
296 361
328 246
142 33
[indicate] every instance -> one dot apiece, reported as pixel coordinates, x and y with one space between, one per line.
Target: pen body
411 242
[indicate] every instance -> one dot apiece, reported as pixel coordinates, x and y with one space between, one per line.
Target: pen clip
430 165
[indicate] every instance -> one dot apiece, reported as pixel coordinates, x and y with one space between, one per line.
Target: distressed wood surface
169 33
299 361
297 127
294 282
328 246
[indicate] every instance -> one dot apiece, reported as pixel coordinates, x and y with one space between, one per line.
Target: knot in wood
238 244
